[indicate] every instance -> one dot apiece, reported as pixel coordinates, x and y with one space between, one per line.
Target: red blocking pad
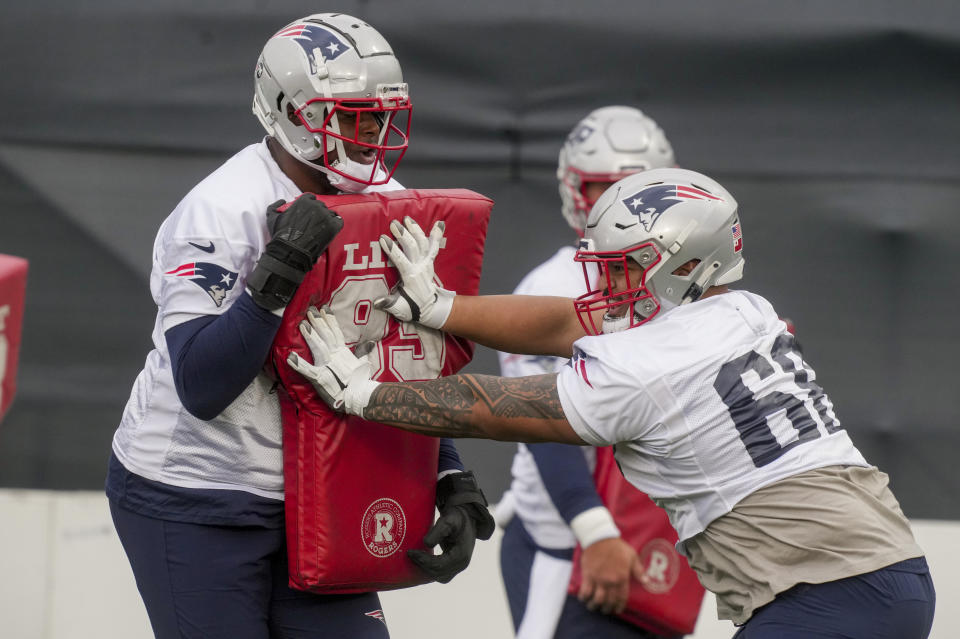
668 602
360 494
13 289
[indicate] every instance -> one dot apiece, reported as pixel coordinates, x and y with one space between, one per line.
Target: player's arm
563 469
215 357
523 409
607 561
526 324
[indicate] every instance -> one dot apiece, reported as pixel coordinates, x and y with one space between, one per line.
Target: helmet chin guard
656 240
329 89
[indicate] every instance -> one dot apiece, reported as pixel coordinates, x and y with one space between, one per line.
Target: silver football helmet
643 229
609 144
316 80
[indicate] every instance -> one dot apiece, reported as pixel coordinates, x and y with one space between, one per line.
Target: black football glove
464 518
300 232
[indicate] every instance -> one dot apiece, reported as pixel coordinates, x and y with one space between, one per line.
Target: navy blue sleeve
567 478
449 457
215 357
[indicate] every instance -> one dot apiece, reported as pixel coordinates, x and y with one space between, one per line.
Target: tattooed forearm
520 396
468 405
437 407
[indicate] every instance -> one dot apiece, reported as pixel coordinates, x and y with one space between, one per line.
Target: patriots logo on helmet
212 278
312 37
649 204
580 134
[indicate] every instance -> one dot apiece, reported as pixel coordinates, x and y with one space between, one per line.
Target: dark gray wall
835 124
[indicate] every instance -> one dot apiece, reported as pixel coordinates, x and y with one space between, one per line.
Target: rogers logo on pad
661 566
383 528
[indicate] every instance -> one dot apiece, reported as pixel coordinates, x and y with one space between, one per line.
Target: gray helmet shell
322 60
608 144
662 219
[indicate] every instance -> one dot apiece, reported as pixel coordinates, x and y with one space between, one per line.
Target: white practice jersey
563 277
706 403
202 256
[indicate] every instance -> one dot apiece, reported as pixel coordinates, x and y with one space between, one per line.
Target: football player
195 480
552 504
711 409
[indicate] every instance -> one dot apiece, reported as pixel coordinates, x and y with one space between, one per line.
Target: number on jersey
419 352
764 419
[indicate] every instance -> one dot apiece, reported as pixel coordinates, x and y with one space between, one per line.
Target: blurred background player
552 504
195 480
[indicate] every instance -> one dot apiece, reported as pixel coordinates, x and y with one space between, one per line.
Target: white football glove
340 377
417 297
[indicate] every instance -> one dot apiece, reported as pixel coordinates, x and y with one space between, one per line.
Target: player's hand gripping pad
668 601
13 285
360 494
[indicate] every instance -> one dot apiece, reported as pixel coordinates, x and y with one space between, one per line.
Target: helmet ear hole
292 115
685 269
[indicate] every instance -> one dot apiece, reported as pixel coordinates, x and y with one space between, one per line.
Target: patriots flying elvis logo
376 614
579 364
212 278
580 134
649 204
312 37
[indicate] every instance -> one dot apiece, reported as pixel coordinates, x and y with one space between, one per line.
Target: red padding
669 603
360 494
13 289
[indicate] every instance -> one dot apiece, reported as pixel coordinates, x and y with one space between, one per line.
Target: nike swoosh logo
205 249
